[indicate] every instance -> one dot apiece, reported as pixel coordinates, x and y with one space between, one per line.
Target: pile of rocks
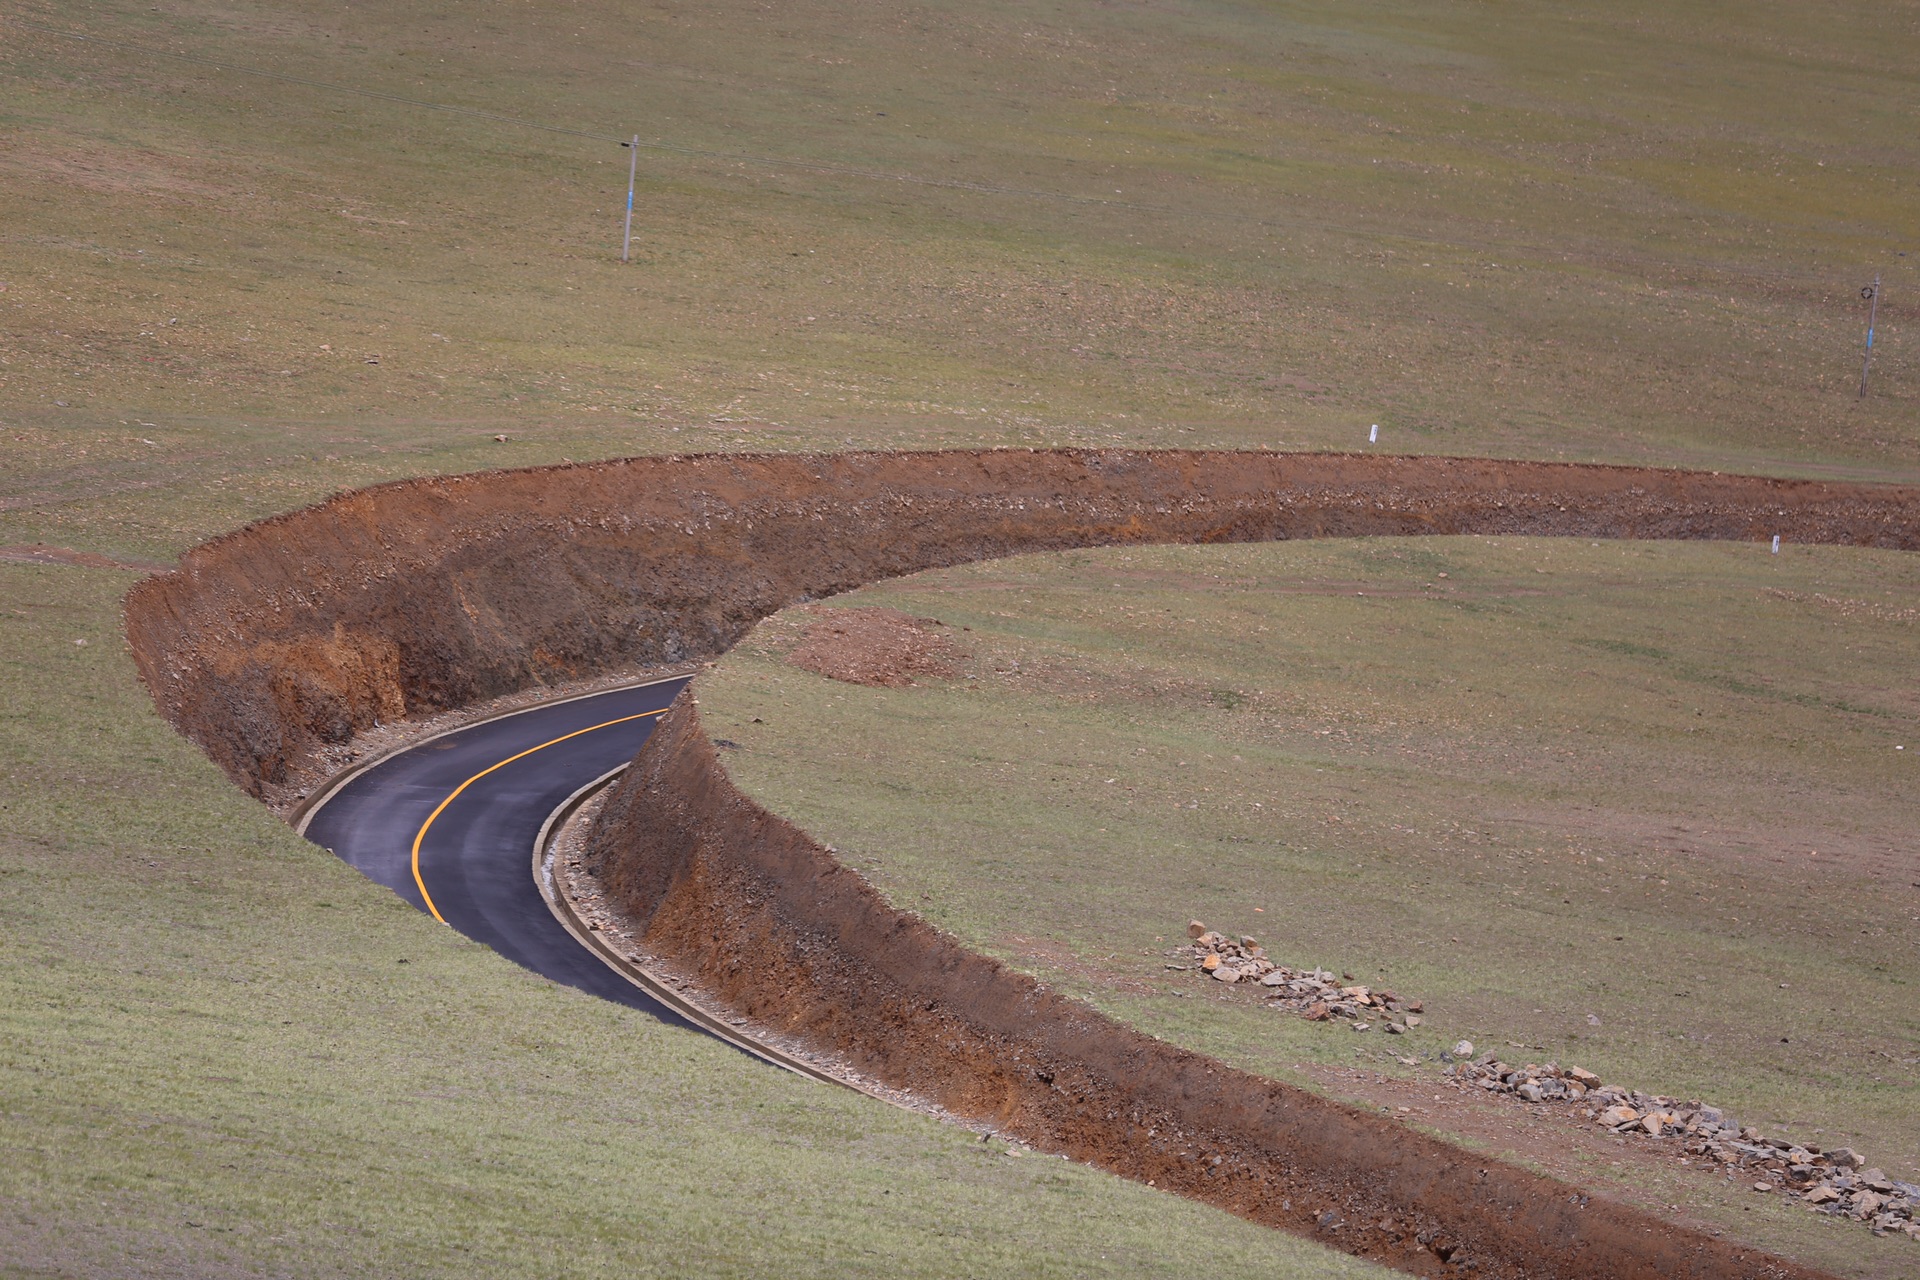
1314 994
1830 1182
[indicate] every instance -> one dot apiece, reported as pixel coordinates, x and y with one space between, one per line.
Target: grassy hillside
1630 231
1639 807
224 1053
1624 231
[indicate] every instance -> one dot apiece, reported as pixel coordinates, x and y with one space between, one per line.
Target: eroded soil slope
427 594
784 933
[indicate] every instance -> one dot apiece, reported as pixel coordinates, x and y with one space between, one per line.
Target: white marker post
1872 294
633 167
1776 544
1373 436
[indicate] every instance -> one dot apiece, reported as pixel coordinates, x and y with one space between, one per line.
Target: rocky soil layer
409 599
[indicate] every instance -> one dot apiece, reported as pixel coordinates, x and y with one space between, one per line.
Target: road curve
472 802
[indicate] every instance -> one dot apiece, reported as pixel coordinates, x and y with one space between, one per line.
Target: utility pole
633 167
1872 294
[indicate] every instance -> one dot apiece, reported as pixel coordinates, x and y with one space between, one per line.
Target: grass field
1633 231
1532 782
1625 231
223 1053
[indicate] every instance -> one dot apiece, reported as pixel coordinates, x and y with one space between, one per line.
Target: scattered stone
1830 1182
1312 993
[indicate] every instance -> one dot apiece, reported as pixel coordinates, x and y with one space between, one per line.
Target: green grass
223 1053
1630 232
1634 231
1653 783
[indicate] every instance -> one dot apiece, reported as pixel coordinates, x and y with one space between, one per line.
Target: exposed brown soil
882 647
413 598
781 931
1555 1140
423 595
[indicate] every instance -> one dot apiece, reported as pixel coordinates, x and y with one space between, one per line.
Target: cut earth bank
1632 807
423 595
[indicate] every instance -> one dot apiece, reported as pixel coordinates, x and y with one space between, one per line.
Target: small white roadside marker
1373 436
1776 544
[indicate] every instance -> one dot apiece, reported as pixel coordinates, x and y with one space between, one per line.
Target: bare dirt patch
875 646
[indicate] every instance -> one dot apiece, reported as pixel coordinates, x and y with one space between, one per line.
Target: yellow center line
420 838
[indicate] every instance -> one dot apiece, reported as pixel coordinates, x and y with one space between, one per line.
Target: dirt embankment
419 596
782 932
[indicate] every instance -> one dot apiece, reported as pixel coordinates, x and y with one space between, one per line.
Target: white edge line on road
302 817
571 922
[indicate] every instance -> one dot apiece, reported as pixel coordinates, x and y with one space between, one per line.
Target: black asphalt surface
477 858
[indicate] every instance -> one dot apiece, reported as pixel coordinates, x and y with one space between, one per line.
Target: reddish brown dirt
417 597
423 595
882 647
784 933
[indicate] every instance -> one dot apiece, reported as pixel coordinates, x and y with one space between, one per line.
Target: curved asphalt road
475 859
